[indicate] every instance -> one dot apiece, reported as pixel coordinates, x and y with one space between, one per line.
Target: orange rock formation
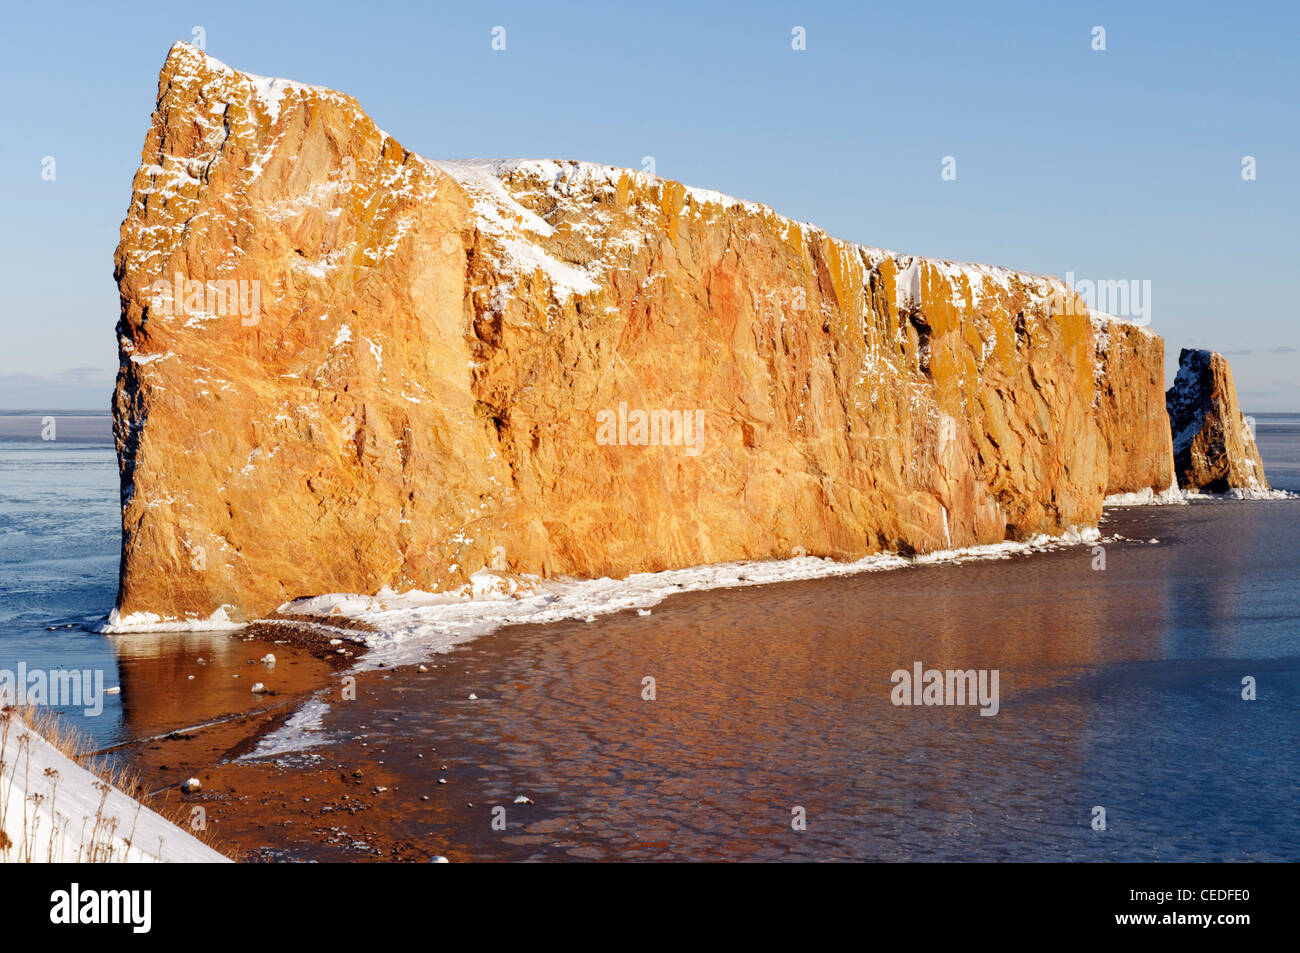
346 367
1214 449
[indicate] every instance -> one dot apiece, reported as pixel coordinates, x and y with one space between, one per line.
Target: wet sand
188 702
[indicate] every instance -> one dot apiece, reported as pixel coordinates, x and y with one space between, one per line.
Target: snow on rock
1213 444
853 401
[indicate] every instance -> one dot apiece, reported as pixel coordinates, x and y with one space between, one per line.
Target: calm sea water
60 537
1120 689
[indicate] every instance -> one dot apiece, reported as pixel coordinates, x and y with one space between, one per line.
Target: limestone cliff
345 367
1214 449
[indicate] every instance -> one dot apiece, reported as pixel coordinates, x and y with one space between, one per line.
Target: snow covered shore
54 810
1176 497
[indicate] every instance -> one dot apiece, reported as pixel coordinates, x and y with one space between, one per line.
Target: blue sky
1119 164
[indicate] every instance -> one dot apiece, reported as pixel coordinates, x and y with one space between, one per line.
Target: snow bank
219 621
54 810
1241 493
1170 496
1176 497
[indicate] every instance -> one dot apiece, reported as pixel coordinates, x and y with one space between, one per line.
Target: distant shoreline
55 413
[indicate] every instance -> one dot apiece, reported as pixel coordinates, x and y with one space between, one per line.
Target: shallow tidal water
1119 688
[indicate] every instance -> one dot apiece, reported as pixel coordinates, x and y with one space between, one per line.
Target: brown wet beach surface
188 700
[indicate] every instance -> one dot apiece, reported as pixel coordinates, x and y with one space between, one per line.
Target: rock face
1214 449
345 367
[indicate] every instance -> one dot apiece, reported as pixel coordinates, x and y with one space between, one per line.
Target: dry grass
102 845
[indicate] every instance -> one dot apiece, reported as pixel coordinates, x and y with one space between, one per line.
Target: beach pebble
523 800
642 611
423 668
258 688
268 659
439 860
192 785
336 641
590 618
190 677
202 661
442 780
473 697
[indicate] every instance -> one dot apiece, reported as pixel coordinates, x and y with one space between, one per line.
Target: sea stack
1214 447
347 368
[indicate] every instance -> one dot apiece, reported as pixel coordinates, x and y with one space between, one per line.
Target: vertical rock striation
1214 449
345 367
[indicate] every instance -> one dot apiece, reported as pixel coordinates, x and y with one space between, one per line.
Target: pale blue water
60 538
1121 688
1278 436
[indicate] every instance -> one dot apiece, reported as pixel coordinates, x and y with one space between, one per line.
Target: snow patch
219 621
55 810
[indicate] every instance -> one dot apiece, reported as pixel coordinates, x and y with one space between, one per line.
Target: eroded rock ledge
411 381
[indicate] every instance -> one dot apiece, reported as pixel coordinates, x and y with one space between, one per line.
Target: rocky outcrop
1130 388
1214 448
345 367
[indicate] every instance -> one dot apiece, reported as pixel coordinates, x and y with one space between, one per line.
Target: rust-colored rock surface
1214 448
345 367
1130 382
